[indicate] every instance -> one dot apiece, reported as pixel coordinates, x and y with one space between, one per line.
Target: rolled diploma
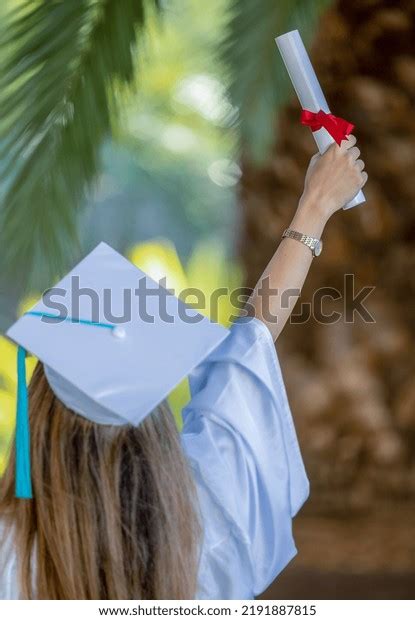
308 89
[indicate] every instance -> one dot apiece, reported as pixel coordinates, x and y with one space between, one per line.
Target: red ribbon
337 127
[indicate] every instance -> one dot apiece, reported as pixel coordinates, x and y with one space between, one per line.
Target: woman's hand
333 179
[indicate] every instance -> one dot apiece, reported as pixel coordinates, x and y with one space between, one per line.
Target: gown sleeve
240 440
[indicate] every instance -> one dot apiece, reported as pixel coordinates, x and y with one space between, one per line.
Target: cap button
119 332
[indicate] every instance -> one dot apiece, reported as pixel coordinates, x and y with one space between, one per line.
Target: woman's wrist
309 219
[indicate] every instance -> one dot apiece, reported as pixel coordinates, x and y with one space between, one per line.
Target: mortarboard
113 342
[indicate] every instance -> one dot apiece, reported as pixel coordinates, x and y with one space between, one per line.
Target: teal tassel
23 474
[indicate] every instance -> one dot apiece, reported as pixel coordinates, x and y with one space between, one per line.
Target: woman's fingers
336 176
349 143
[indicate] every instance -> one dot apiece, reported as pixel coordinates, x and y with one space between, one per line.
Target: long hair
114 514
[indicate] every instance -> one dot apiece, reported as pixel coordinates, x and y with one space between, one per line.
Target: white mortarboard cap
120 344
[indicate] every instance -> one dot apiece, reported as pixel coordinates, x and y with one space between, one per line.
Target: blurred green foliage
258 81
60 65
65 68
169 169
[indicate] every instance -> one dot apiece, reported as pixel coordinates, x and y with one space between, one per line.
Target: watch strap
310 242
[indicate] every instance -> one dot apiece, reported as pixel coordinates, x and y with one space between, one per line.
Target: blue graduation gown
241 443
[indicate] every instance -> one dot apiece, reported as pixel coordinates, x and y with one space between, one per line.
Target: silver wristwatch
315 245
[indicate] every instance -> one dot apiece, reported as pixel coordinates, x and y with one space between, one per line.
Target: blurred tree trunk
351 385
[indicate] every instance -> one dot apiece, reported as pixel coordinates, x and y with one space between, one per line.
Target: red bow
337 127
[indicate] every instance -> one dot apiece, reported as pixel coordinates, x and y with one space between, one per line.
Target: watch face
318 248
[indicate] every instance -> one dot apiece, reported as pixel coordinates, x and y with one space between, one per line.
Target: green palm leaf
61 64
258 80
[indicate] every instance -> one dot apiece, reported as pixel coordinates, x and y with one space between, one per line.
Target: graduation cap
113 342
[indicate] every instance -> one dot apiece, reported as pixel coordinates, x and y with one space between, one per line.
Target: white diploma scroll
308 89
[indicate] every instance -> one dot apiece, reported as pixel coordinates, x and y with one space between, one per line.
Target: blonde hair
114 511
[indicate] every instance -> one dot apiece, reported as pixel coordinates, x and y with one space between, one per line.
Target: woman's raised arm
332 180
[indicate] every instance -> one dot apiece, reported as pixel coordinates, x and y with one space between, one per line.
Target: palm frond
258 82
61 64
